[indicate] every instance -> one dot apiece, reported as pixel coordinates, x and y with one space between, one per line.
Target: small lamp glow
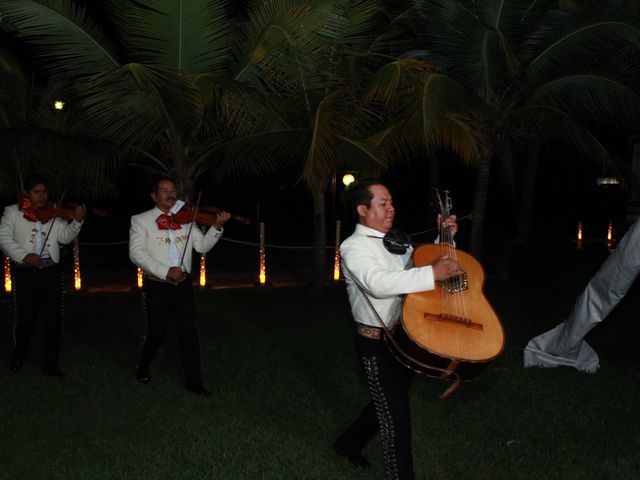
7 275
348 179
140 281
203 270
58 104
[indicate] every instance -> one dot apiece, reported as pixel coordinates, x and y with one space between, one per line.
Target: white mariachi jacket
17 234
384 276
149 246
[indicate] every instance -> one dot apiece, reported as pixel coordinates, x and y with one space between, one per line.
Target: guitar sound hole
455 285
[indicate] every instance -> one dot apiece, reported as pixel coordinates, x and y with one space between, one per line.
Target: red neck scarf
27 209
166 222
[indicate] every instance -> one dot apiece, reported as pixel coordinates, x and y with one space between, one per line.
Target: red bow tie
27 209
166 222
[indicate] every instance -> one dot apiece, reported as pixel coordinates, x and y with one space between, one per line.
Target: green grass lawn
285 380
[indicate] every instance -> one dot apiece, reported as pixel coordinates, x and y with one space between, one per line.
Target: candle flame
579 230
610 232
140 281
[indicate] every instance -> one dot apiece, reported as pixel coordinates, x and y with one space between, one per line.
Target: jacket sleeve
367 270
202 243
139 253
9 246
68 231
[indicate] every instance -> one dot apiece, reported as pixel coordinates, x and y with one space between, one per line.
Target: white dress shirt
384 276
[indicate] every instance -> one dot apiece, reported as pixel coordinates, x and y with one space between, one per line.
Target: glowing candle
139 278
579 230
77 279
263 267
336 257
7 275
203 271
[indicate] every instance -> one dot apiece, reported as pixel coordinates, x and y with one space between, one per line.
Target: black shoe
54 372
143 376
199 390
355 458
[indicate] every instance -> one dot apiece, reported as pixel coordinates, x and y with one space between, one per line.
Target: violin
67 212
204 215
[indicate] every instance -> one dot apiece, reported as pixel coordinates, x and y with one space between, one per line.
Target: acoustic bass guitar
452 332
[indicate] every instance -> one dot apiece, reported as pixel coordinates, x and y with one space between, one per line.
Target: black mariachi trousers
388 382
38 293
164 303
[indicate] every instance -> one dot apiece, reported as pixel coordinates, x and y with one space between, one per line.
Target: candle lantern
77 279
7 275
336 258
262 277
203 270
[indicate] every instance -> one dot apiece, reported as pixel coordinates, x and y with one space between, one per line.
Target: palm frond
80 48
592 98
187 36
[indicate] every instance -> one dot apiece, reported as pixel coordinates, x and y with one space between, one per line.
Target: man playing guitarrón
384 272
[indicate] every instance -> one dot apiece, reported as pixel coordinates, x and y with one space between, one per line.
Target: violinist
161 246
32 241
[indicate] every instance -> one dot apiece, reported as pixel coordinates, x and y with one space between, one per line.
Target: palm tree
540 72
187 87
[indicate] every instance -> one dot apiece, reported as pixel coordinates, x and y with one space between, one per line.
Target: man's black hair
160 178
32 180
359 194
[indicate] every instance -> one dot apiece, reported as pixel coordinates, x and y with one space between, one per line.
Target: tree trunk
319 266
480 205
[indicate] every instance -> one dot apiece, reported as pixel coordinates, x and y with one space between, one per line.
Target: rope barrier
268 245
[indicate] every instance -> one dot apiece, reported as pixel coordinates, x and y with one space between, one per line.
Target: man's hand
32 259
175 274
79 212
445 268
221 219
451 222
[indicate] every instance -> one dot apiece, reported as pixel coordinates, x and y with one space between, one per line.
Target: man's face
165 196
380 214
39 195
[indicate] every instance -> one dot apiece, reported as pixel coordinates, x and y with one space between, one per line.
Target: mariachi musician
161 246
30 234
376 262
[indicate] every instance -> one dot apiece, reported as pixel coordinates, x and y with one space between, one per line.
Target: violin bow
53 220
186 244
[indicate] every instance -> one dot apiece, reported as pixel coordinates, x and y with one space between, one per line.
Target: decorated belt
374 333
